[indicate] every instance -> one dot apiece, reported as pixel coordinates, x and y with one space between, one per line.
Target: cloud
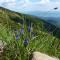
43 5
29 5
11 4
1 1
8 3
37 2
44 1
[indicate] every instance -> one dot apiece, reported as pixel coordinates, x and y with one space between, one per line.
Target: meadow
25 34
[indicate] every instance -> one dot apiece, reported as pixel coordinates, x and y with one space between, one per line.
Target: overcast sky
31 5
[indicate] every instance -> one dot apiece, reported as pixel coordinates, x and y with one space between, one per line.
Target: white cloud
44 1
11 4
43 5
8 3
28 5
38 2
1 1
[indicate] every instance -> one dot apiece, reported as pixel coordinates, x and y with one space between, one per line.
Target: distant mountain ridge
48 16
53 20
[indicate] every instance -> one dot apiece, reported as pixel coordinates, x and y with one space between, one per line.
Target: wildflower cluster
21 33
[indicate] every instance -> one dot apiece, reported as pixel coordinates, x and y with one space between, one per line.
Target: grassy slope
44 42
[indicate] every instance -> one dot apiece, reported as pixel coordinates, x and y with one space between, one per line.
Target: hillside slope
15 28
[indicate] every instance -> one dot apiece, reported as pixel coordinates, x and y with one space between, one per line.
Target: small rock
2 44
41 56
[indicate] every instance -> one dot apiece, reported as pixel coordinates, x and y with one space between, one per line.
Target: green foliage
43 41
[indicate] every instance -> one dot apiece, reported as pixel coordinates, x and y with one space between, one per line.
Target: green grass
15 50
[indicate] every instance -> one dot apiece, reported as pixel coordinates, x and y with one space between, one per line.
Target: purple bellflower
29 29
17 37
26 42
22 30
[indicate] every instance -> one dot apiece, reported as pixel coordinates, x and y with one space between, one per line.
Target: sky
31 5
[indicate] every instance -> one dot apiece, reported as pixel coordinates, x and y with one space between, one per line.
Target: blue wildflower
17 37
29 29
26 42
22 30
